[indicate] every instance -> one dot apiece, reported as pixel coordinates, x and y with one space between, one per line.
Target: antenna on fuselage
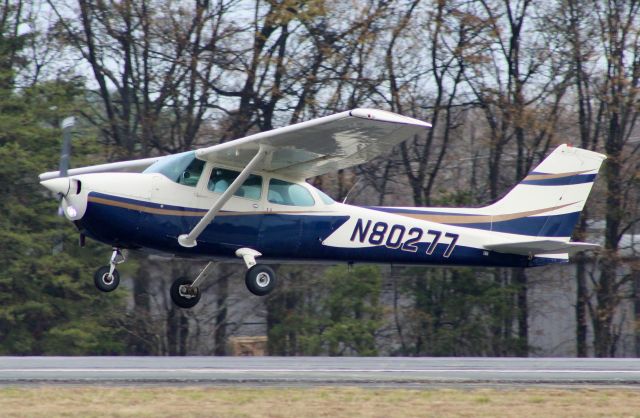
351 189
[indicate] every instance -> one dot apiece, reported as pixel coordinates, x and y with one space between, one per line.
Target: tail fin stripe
561 181
462 219
538 175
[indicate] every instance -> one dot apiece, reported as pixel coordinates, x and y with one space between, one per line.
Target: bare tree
619 25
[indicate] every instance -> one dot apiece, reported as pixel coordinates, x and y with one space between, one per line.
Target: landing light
71 211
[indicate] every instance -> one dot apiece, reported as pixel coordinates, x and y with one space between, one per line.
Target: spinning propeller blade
59 187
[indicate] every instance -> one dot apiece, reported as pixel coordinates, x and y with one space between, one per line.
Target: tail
548 202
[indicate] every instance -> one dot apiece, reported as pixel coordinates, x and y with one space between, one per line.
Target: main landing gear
260 279
185 293
107 278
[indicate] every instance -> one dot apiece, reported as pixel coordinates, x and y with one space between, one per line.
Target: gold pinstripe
554 176
472 219
173 212
444 219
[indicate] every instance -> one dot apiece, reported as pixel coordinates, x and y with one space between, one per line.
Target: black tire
104 281
260 280
181 300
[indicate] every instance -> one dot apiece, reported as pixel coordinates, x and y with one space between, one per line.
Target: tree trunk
221 317
520 278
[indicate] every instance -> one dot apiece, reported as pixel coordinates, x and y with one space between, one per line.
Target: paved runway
301 371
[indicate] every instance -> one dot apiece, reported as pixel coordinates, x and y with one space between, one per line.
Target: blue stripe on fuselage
536 226
277 236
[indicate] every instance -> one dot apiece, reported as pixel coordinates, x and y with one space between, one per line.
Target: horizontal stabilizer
541 247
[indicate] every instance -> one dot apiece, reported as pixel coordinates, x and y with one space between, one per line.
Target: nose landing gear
107 278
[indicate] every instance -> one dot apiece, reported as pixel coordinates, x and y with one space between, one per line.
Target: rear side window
285 193
221 179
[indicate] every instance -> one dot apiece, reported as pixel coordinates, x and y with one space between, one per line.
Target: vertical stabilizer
548 202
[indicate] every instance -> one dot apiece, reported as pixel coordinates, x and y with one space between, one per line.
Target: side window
192 173
284 193
222 178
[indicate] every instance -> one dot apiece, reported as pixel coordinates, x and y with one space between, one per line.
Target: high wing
125 166
543 246
320 145
302 150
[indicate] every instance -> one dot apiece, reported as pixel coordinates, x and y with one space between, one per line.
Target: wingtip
386 116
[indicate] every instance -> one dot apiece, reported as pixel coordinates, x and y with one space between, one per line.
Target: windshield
182 168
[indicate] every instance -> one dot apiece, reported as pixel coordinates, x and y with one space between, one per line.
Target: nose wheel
107 278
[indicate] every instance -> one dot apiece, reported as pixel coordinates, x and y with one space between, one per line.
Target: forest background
502 82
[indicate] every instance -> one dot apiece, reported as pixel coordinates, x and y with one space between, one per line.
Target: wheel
260 279
183 295
104 281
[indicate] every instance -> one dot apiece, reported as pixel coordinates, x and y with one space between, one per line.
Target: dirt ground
201 401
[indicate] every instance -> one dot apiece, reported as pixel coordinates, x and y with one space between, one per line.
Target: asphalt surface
312 371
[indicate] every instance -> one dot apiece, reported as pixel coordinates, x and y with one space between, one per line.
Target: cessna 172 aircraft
248 200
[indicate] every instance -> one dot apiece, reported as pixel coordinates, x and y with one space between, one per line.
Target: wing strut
189 240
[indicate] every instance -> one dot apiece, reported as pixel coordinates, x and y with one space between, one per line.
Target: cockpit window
222 178
284 193
182 168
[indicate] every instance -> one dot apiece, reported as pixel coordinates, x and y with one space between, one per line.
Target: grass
201 401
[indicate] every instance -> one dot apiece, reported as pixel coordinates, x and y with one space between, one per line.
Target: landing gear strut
107 278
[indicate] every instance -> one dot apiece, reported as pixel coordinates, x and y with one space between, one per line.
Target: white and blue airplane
248 200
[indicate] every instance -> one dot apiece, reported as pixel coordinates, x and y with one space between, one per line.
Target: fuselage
286 220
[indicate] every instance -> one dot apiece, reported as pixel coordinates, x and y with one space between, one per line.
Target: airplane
247 200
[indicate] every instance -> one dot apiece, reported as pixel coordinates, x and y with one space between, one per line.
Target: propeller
60 187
